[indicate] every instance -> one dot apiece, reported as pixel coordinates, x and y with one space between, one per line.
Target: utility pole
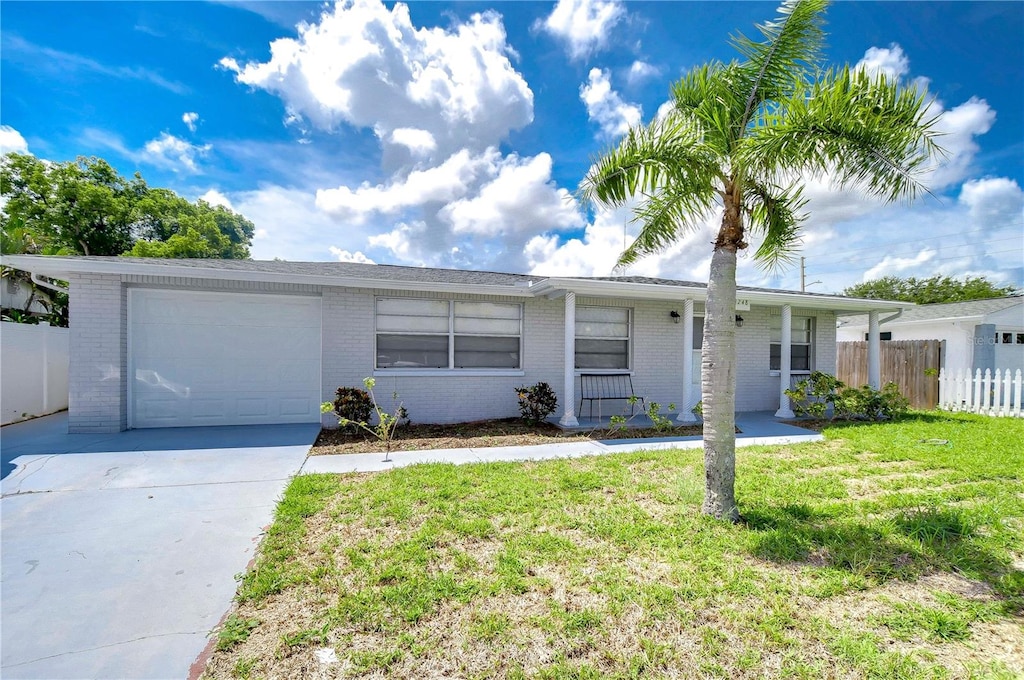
803 275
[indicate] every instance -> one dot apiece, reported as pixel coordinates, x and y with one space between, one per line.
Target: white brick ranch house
168 343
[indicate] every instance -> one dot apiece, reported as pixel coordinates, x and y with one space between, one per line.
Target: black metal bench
612 386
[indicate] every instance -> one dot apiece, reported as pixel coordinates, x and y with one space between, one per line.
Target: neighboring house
978 334
158 342
15 294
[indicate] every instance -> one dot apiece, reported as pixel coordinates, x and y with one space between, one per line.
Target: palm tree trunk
718 375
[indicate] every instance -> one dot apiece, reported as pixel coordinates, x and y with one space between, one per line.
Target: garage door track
119 551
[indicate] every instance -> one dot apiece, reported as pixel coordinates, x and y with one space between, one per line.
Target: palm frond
712 97
663 153
775 214
866 131
791 50
666 215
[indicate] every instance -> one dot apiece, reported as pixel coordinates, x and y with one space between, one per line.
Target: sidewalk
758 429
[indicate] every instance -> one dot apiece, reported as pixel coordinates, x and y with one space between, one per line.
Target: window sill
603 371
449 372
776 374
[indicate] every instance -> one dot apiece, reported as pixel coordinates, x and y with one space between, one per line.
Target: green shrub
352 404
536 402
867 403
387 423
813 395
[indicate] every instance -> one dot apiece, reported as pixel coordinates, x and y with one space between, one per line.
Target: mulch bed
480 434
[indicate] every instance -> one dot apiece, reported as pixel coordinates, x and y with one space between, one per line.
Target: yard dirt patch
480 434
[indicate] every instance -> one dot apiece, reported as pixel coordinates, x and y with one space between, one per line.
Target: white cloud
398 242
584 25
520 199
189 118
290 226
11 141
215 198
346 256
419 142
959 125
61 65
446 182
605 106
894 266
371 68
889 61
174 152
640 71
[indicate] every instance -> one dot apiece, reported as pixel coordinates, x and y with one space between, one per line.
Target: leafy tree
81 207
85 207
935 289
739 137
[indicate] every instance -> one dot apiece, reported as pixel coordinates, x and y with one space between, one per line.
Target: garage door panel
224 358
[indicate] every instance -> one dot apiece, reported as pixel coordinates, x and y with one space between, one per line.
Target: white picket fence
993 395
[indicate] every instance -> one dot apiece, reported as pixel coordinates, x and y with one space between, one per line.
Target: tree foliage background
928 291
85 207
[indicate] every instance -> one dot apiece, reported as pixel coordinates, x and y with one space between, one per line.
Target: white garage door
203 358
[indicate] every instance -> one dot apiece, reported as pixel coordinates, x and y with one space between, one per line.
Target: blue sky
454 134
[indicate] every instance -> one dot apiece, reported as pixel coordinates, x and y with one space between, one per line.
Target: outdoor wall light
675 316
739 321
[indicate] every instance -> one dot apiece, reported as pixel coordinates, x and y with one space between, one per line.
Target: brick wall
97 379
97 375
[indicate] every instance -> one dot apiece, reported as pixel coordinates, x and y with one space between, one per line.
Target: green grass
604 567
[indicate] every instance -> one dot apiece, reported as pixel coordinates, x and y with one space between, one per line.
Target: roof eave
63 268
648 291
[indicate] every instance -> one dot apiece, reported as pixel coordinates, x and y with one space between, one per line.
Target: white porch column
874 352
785 363
568 418
685 412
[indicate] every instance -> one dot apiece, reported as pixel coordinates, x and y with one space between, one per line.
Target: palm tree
739 137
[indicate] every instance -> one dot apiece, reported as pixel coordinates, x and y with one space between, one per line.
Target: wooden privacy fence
912 364
992 395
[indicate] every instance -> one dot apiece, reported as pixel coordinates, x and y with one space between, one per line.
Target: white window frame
629 340
451 335
811 345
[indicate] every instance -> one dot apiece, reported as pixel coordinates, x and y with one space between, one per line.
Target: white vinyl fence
988 394
33 370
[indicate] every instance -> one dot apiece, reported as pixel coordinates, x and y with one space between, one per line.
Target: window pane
488 310
698 332
412 324
412 351
413 316
595 329
487 326
412 307
801 329
602 354
484 352
605 314
800 357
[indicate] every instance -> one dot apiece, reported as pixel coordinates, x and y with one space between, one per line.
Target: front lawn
887 551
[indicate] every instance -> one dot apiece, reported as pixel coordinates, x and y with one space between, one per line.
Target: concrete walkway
758 429
119 551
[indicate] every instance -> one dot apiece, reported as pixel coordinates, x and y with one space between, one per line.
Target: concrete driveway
119 551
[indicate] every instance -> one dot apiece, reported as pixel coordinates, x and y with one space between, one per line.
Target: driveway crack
112 644
28 471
